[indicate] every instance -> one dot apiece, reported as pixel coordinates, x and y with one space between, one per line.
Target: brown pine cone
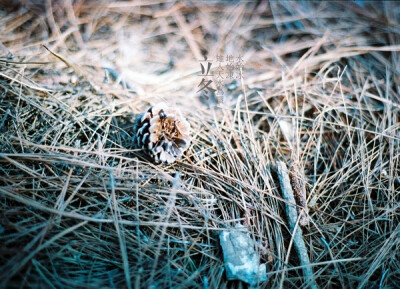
162 133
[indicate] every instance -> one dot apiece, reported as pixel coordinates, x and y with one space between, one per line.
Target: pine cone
162 133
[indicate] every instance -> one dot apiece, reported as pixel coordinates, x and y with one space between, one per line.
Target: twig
292 216
299 189
65 60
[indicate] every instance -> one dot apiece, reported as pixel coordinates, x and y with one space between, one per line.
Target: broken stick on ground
295 230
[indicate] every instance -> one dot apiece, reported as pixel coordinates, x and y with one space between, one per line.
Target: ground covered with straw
82 208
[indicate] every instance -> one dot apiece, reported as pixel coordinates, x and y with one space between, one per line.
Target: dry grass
81 209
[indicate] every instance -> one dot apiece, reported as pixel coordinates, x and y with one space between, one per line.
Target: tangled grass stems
79 205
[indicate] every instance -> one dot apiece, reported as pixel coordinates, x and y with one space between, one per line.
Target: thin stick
292 216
